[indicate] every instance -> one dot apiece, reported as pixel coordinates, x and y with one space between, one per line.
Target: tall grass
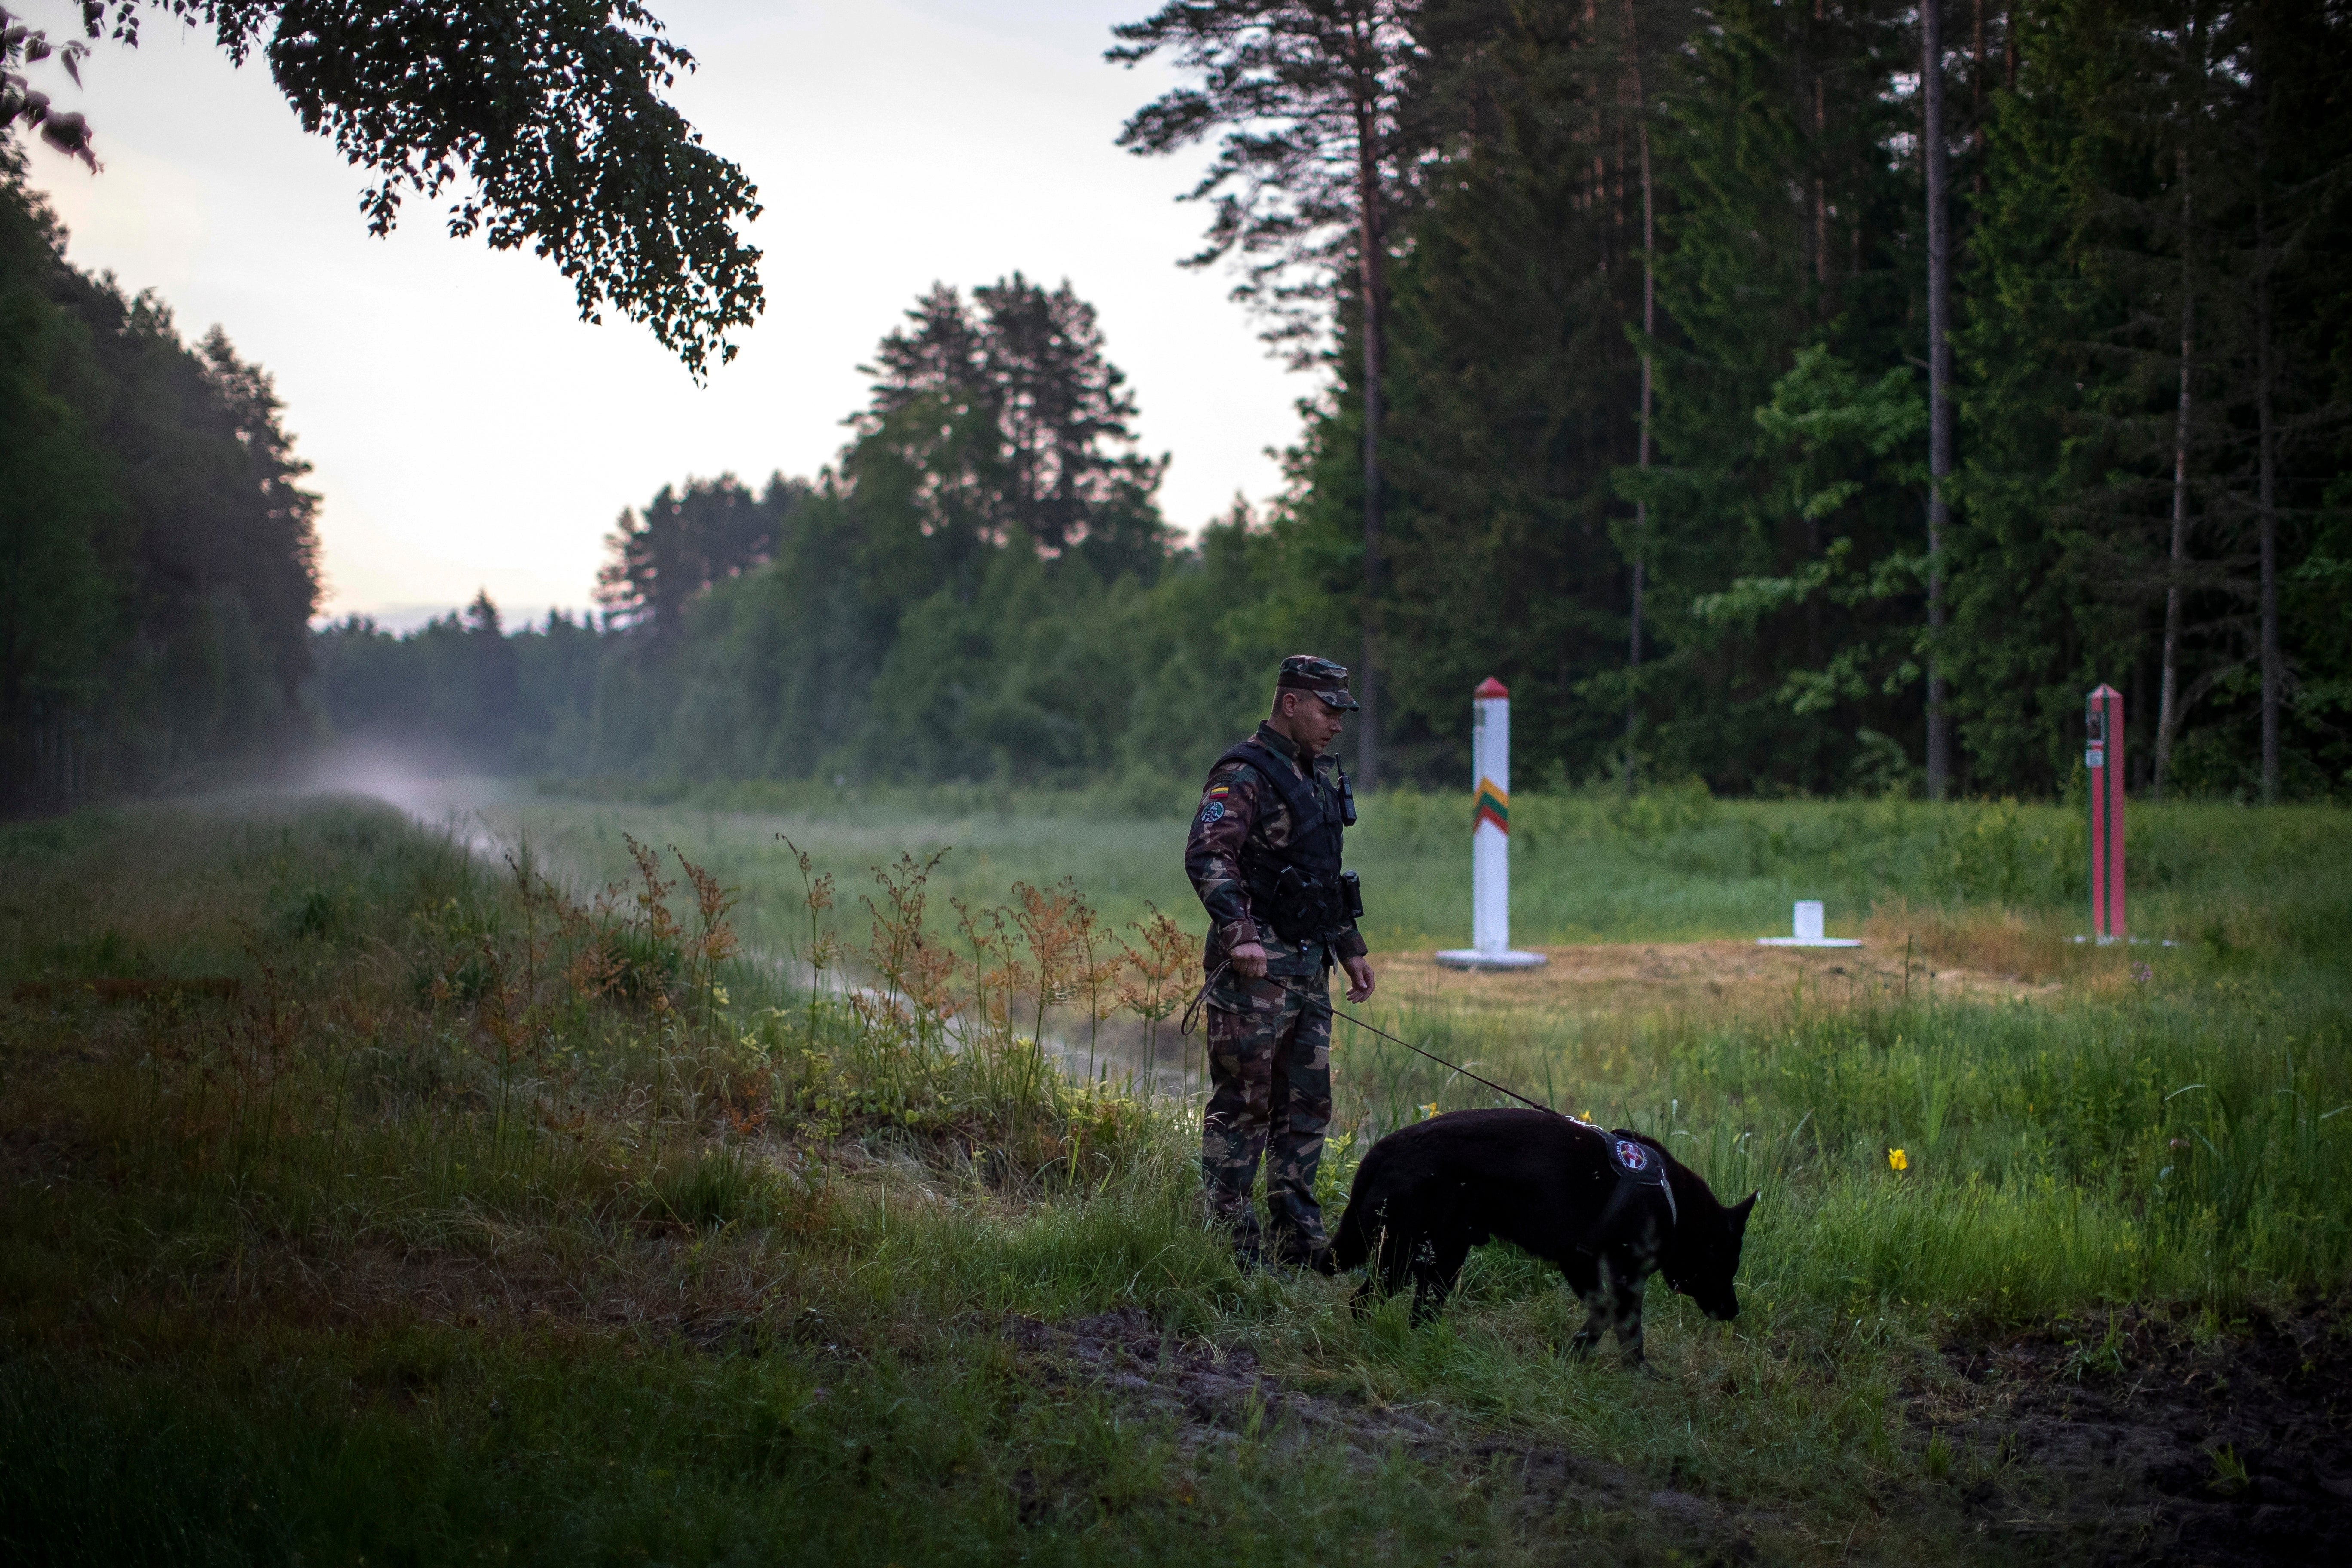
1671 865
2191 1143
490 1208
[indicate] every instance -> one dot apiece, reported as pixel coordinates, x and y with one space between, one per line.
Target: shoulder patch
1213 810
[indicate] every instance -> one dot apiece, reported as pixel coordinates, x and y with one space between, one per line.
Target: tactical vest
1294 890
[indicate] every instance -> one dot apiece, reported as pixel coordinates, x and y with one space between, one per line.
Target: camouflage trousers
1270 1096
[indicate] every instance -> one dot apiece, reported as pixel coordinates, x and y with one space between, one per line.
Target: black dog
1610 1208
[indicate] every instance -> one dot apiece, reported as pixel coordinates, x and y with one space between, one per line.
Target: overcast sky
469 431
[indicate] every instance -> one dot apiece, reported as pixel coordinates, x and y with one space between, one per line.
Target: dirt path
1612 976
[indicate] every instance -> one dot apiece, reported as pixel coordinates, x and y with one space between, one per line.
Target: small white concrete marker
1490 837
1808 924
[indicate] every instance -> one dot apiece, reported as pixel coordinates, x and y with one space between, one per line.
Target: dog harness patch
1639 1165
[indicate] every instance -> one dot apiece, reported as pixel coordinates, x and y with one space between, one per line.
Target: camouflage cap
1305 672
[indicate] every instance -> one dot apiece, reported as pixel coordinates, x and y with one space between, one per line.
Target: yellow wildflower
1429 1110
1896 1160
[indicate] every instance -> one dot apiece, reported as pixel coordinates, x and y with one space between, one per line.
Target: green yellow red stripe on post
1493 803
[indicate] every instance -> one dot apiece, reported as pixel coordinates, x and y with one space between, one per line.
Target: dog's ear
1738 1212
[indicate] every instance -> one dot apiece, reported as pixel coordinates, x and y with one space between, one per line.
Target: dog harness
1638 1166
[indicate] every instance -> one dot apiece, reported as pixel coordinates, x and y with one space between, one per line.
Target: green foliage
1784 546
2072 382
1506 363
548 112
157 556
1841 442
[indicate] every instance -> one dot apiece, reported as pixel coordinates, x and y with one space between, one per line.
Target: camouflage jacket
1236 806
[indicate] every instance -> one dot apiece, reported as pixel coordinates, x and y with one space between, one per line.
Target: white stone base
1472 958
1808 941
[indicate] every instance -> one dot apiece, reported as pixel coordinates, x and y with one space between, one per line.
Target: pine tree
1004 420
660 559
161 554
1305 98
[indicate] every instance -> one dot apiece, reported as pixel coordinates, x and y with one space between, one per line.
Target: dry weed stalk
655 922
823 949
713 942
1162 966
515 1017
1098 978
261 1049
915 975
653 897
1050 924
997 975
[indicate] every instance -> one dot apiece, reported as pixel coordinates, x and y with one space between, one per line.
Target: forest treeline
2151 309
158 565
1643 289
982 587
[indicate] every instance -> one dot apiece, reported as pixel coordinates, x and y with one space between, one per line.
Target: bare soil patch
1218 1395
2143 1440
1618 976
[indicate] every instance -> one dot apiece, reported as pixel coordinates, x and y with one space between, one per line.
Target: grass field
1673 866
483 1222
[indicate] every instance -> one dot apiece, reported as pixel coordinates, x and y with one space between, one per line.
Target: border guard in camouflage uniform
1264 855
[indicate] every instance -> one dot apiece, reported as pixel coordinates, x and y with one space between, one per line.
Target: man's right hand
1249 960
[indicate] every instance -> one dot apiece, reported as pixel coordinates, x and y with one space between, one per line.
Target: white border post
1490 819
1490 837
1807 921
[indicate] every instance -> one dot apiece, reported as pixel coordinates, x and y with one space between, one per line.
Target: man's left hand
1360 977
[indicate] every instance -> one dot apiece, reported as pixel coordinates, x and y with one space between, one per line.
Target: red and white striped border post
2103 764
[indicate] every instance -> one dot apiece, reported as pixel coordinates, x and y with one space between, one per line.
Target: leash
1193 1015
1627 1178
